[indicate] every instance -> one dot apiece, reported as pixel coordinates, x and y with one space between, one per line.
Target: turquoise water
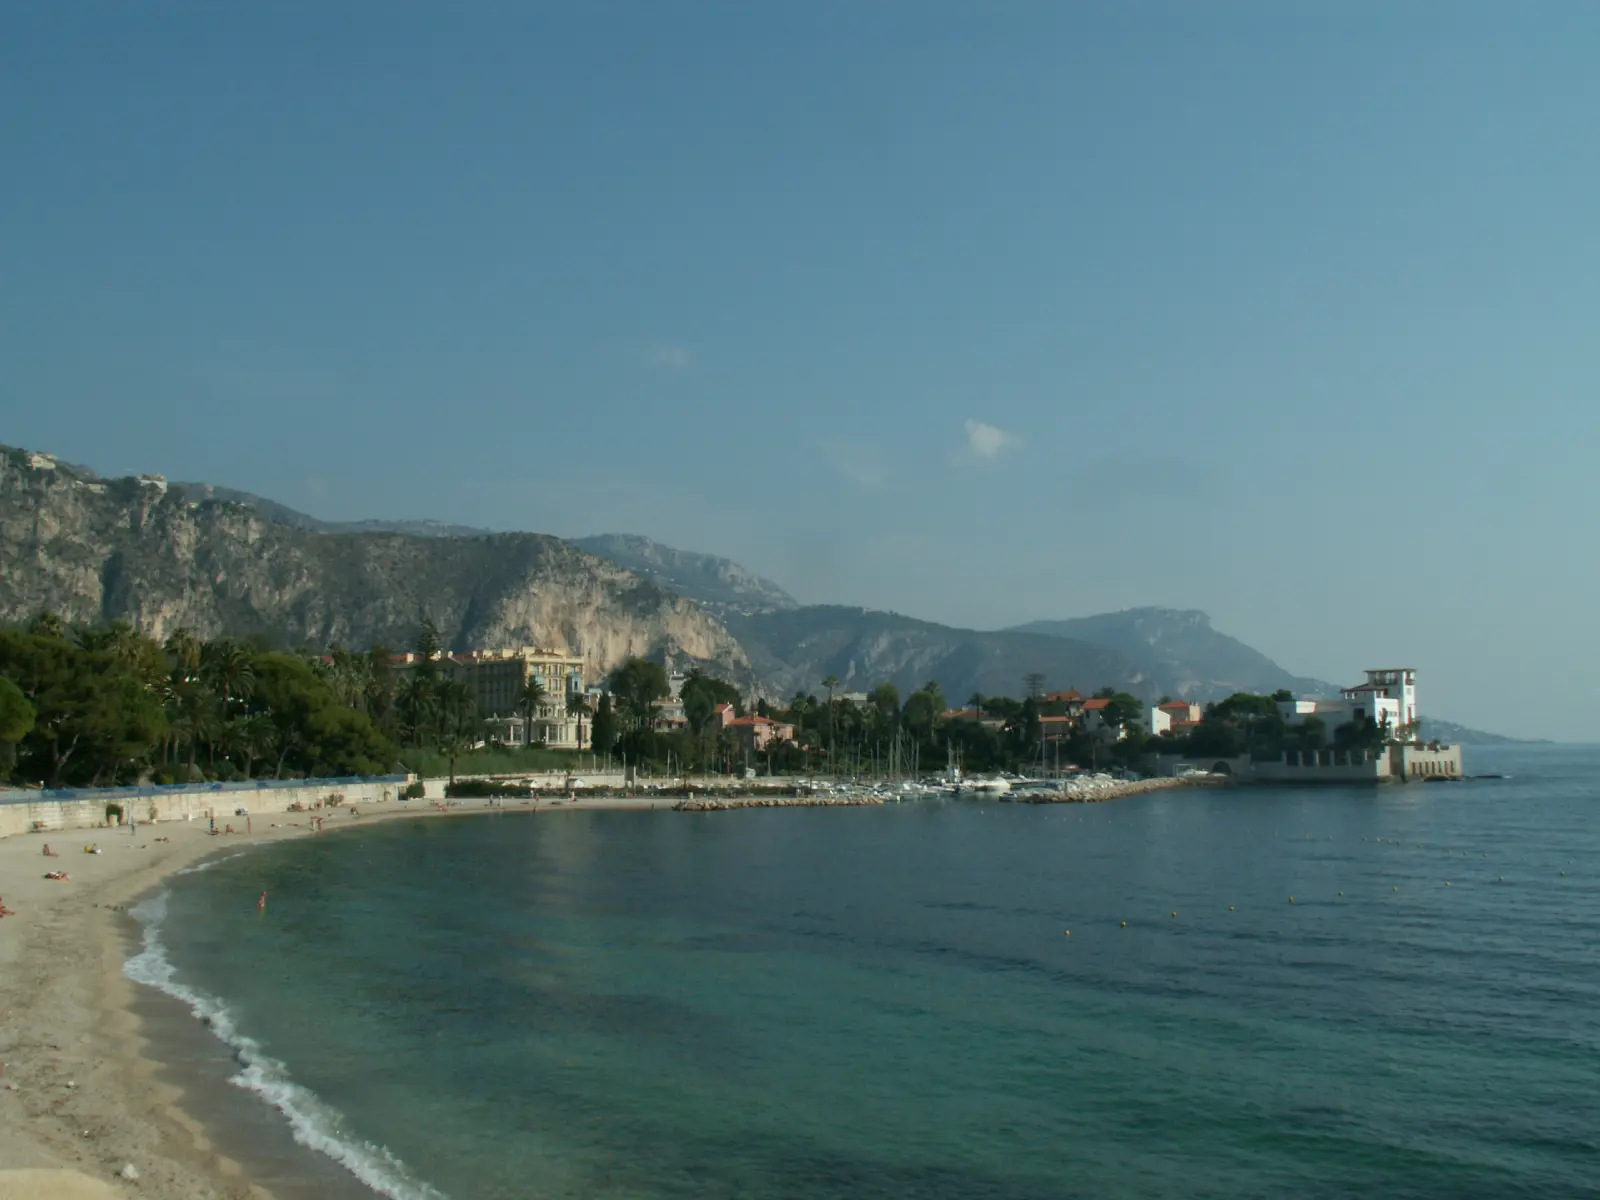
882 1001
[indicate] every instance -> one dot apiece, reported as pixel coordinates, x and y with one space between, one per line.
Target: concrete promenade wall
85 808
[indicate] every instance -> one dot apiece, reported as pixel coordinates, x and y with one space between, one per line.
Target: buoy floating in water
1447 883
1124 924
1067 933
1175 911
1230 908
1291 899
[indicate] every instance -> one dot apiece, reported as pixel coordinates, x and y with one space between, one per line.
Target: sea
1239 992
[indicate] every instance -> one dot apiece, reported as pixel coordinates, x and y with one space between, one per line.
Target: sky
981 312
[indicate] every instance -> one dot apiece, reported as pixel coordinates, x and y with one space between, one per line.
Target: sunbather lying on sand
57 875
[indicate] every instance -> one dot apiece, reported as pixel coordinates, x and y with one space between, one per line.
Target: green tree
418 707
16 713
228 669
17 716
47 625
701 694
95 718
1124 711
603 730
1312 733
830 682
924 708
311 731
428 648
184 650
636 685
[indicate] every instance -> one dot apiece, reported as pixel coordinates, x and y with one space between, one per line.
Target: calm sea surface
883 1001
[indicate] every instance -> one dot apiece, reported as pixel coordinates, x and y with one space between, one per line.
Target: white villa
1388 697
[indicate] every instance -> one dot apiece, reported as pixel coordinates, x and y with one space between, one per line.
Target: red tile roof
1062 697
1096 703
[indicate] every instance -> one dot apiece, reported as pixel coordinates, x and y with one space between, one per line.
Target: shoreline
80 1096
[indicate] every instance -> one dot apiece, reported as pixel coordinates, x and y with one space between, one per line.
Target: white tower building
1397 685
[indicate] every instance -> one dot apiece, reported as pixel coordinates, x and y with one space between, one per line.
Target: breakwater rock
725 803
1088 791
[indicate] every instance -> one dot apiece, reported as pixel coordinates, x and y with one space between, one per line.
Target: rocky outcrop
96 550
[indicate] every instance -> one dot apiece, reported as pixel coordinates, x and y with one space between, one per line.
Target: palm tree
120 640
184 649
460 720
529 699
419 708
578 706
347 673
227 668
195 717
976 700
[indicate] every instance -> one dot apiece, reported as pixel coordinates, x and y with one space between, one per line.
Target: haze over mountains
219 560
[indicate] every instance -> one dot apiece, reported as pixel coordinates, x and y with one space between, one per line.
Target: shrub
480 789
416 790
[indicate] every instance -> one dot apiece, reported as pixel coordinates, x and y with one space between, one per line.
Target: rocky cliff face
719 584
95 550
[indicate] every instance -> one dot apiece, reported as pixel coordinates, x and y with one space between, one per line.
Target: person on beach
49 853
261 904
4 911
57 875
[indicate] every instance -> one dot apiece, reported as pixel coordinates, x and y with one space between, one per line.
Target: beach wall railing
87 808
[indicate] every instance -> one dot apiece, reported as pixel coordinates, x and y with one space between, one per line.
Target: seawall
85 808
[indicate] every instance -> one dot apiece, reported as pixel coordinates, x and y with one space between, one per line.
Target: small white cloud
986 441
860 464
669 358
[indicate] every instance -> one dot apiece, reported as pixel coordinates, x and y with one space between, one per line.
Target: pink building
757 733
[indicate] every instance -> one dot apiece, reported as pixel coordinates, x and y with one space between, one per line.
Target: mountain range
221 561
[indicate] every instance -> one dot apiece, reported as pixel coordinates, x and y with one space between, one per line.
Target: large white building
1388 697
497 679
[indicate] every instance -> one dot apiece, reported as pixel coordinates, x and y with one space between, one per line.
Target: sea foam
315 1124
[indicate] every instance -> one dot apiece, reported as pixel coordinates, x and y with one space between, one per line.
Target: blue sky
982 313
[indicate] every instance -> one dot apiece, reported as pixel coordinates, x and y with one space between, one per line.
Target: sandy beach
79 1100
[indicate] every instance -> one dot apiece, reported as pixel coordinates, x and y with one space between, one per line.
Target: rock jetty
1092 791
710 803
